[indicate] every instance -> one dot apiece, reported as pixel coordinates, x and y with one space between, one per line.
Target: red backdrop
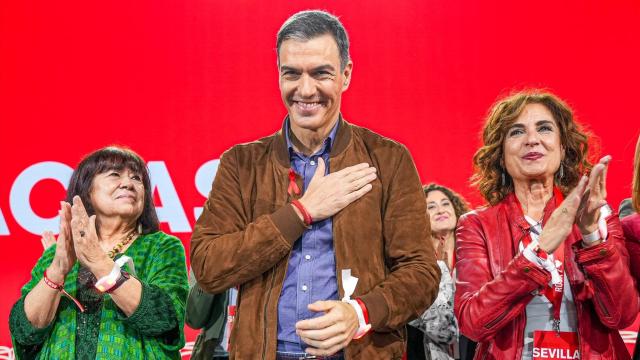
181 81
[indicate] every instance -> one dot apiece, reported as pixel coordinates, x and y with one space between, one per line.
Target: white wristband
349 285
363 327
107 282
591 238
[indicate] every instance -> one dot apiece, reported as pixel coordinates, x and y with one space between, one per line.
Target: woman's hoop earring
560 173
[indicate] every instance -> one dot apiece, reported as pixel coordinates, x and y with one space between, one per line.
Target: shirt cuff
605 212
155 314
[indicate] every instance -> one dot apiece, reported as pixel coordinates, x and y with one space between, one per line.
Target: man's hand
331 332
327 195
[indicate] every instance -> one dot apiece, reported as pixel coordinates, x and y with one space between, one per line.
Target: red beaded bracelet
305 214
60 287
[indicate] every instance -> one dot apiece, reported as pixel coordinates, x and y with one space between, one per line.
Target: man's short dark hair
310 24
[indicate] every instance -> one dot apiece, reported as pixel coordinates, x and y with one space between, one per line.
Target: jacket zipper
600 304
264 312
491 323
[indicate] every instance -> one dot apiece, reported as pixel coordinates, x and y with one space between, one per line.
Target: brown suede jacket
248 227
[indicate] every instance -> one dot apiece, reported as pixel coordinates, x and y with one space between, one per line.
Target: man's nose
307 86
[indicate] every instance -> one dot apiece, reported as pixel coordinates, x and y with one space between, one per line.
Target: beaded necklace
116 249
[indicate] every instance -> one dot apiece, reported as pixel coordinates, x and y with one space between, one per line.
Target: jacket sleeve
631 228
229 249
606 265
483 303
165 286
413 275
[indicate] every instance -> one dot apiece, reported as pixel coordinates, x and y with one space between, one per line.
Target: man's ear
346 74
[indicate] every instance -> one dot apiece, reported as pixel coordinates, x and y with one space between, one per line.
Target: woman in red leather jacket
543 272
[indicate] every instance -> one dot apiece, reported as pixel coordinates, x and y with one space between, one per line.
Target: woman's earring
560 174
504 180
139 228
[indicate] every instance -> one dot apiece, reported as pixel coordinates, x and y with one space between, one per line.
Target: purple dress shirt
311 274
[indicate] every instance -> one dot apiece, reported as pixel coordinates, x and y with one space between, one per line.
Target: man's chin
307 122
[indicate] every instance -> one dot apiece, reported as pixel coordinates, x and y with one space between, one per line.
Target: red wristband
52 284
60 287
305 214
365 312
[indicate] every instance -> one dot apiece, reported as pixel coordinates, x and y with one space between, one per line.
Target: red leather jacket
495 283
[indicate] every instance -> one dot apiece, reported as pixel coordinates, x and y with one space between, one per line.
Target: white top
539 311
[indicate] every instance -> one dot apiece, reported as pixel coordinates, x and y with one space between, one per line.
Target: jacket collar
519 225
343 137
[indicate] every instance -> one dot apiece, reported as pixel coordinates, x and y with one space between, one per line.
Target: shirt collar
328 142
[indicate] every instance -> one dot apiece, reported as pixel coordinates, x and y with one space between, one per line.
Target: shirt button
307 257
312 162
304 288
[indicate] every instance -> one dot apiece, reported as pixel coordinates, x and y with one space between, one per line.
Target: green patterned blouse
153 331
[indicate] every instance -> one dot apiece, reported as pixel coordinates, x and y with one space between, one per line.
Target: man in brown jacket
291 214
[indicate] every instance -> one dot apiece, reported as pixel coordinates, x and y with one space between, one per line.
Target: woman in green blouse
114 286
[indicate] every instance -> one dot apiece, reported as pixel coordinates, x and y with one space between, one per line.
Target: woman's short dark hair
488 159
460 205
113 158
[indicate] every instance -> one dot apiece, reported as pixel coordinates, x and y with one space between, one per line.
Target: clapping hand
85 239
65 256
594 198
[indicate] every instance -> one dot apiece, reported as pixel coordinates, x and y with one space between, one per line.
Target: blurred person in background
631 227
113 285
214 314
434 334
543 269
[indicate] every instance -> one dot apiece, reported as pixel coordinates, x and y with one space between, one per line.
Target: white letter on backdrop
21 189
171 210
4 229
204 178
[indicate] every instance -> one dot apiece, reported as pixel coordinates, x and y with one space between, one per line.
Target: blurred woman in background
434 334
631 227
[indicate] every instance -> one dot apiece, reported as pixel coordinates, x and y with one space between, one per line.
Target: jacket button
526 269
603 252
